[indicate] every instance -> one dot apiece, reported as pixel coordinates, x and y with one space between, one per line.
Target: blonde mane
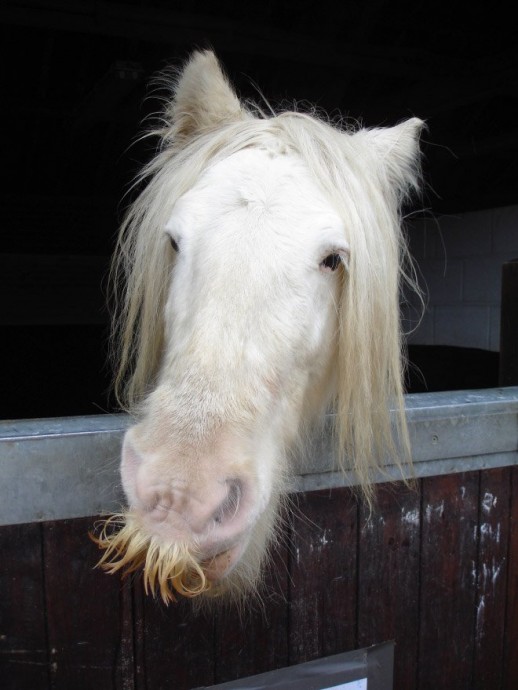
368 196
365 175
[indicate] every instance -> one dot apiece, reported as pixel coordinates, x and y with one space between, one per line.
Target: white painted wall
459 263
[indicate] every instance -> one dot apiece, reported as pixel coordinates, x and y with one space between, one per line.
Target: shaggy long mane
368 197
366 184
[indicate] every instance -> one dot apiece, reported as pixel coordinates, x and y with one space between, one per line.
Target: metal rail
68 467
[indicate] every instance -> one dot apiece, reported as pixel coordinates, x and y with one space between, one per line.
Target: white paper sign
360 684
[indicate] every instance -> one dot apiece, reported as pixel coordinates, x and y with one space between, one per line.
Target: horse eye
174 243
331 262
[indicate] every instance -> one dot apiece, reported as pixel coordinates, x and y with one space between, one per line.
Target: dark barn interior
434 566
76 88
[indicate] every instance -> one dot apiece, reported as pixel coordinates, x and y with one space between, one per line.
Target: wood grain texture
493 536
388 598
90 640
436 570
24 659
511 637
448 581
175 645
255 639
323 583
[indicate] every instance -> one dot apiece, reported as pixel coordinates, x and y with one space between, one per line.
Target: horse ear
203 98
397 150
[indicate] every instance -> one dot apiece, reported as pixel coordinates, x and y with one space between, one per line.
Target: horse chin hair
175 569
167 569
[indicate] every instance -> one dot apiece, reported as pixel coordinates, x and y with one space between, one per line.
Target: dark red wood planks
389 551
448 581
23 640
323 570
89 615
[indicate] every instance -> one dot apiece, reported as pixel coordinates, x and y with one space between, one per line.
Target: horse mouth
220 565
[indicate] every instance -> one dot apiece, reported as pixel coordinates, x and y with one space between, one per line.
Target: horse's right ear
396 150
203 99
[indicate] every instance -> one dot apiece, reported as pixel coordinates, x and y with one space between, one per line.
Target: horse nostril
158 502
228 510
164 504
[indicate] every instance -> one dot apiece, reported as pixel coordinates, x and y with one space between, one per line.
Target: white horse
261 268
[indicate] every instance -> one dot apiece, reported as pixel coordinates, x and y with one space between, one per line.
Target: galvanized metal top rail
68 467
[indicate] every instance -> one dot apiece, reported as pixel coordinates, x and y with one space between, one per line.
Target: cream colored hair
166 568
366 175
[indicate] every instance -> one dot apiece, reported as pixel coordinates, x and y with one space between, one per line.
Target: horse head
260 272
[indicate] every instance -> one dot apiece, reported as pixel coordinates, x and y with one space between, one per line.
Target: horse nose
203 511
207 508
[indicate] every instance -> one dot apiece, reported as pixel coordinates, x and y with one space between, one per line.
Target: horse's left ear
397 151
203 99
